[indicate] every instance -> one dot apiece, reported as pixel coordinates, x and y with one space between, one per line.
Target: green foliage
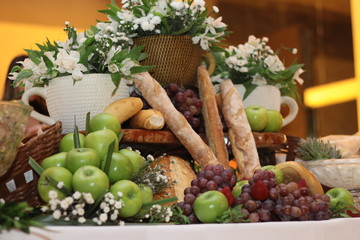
315 149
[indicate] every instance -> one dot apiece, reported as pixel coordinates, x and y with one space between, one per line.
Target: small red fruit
228 194
301 183
259 191
352 211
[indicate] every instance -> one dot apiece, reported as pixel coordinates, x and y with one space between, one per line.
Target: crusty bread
210 113
156 96
179 172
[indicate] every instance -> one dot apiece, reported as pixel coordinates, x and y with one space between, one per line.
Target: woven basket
176 58
20 181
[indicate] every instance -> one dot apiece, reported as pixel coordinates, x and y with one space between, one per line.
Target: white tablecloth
335 229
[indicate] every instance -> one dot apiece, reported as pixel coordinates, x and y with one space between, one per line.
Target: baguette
240 135
213 124
156 96
125 108
150 119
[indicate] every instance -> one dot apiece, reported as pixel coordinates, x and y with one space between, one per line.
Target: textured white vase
67 100
270 98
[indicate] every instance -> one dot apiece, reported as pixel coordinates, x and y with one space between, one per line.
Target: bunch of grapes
188 103
265 200
211 178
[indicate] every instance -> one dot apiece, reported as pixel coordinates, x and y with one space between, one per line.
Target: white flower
81 220
126 66
76 195
53 194
216 9
121 223
126 15
56 214
88 198
118 204
113 68
274 63
103 217
106 209
60 185
294 51
81 212
64 205
43 208
68 62
212 24
103 205
114 216
297 76
177 5
258 80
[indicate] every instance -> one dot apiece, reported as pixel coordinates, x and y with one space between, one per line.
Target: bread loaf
150 119
210 113
240 135
179 172
156 96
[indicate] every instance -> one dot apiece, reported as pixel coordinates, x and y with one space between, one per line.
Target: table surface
334 229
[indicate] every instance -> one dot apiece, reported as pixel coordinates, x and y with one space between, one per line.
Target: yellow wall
24 23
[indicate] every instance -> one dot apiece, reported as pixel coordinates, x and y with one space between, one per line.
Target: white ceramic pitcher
270 98
67 100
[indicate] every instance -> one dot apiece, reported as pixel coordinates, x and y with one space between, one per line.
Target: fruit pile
261 198
265 200
90 164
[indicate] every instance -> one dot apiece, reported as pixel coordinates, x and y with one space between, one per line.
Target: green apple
100 141
79 157
59 174
275 121
147 193
121 167
279 176
238 188
340 196
210 205
90 179
137 160
105 121
67 142
131 196
55 160
257 117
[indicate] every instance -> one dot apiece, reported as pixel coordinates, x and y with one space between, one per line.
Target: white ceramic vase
270 97
67 100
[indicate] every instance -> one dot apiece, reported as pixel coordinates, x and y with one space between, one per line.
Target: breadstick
156 96
241 138
213 125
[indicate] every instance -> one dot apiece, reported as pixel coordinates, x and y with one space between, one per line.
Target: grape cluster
188 103
213 177
264 200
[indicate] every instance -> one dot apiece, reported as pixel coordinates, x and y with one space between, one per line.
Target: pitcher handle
292 104
210 62
37 91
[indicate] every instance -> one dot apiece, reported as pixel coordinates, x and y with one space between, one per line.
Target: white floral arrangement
255 63
139 18
81 53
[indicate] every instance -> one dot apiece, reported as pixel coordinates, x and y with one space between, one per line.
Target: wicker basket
19 183
176 58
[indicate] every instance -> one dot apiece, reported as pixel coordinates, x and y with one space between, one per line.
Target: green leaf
35 166
121 134
109 157
48 63
140 69
76 137
23 75
87 124
54 183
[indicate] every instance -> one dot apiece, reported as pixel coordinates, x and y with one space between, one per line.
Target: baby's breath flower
120 194
56 214
44 208
118 204
2 201
76 195
88 198
53 194
103 217
81 220
121 223
60 185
